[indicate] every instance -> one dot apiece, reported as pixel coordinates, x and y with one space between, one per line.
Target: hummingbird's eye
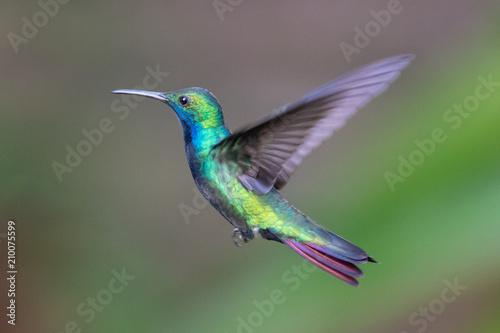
184 100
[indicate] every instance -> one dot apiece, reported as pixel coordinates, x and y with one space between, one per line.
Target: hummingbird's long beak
150 94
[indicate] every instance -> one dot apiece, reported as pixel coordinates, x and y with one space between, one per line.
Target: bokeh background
118 211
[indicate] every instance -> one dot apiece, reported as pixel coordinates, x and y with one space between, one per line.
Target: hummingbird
240 174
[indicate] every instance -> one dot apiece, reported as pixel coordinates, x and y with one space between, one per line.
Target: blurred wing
267 154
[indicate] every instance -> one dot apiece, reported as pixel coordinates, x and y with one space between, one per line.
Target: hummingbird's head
193 106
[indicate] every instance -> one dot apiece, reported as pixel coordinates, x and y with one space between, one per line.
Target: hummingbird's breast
243 208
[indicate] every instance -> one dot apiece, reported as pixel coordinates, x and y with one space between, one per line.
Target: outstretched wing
267 154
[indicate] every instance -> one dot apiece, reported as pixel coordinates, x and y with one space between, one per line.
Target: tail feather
331 262
358 258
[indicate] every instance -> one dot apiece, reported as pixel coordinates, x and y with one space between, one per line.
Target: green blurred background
118 210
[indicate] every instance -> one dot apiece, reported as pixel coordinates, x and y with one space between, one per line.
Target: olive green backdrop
413 178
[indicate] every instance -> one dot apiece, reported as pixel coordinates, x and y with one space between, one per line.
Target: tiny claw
238 238
256 232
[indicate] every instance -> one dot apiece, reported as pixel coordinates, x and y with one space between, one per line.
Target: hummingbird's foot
238 237
256 232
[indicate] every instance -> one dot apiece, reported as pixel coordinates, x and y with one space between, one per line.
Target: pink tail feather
334 264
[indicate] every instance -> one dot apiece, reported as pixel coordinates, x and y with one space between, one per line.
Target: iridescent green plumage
240 173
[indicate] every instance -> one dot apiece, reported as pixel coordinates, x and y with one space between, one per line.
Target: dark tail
337 263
